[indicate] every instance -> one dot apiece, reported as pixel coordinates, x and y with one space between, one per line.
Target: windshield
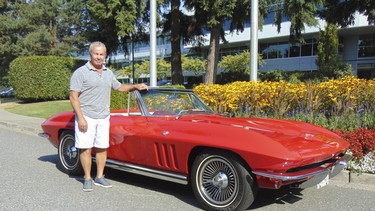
173 102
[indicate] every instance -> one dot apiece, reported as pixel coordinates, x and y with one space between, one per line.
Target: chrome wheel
217 180
221 181
69 155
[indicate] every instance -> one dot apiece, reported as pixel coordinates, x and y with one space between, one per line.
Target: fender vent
166 155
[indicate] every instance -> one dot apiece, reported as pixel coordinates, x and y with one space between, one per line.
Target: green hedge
40 78
119 99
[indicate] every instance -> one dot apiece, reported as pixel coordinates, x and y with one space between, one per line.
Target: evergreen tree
328 60
212 15
175 19
9 32
299 13
182 28
40 27
343 12
117 23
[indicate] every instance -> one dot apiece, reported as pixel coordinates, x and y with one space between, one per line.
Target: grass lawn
40 109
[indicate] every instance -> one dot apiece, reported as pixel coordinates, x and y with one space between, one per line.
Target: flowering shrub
362 141
335 96
339 99
366 164
345 104
362 146
347 94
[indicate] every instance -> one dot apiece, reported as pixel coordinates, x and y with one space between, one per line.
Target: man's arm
74 100
131 87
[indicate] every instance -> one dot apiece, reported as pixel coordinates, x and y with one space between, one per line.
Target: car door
126 138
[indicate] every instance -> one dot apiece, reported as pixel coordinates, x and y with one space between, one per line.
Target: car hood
306 139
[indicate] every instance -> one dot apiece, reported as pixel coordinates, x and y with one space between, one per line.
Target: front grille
316 165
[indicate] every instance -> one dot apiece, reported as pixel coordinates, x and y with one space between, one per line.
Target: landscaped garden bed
346 106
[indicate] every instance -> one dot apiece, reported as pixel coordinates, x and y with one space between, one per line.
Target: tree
164 67
8 35
342 12
212 14
183 28
40 27
174 19
299 13
236 67
143 68
328 59
238 63
194 65
54 27
113 22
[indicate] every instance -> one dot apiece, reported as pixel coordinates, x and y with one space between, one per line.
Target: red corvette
171 134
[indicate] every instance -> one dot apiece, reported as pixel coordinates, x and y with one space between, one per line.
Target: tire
220 181
69 161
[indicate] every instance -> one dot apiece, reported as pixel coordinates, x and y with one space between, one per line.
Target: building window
274 50
366 70
286 50
295 50
232 51
366 45
263 50
309 48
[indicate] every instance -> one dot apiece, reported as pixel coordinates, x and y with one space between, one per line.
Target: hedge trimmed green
119 100
41 78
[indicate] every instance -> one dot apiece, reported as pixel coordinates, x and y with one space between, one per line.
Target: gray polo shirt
94 90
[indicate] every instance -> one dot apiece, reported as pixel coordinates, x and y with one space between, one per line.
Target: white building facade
358 47
358 42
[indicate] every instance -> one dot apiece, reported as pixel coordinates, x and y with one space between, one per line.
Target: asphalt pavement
33 125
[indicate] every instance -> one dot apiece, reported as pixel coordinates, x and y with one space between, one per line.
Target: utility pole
133 68
254 41
153 43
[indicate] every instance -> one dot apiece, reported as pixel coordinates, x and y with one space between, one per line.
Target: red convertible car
171 134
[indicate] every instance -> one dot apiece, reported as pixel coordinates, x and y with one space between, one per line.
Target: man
90 90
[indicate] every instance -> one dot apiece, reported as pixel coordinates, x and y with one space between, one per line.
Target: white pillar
153 43
254 41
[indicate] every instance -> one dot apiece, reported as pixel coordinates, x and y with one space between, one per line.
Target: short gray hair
97 43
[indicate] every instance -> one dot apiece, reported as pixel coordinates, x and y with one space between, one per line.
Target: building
358 41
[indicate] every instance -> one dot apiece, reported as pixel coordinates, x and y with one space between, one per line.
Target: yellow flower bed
278 98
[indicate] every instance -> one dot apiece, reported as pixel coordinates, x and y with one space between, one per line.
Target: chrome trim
141 104
140 170
340 165
337 167
290 178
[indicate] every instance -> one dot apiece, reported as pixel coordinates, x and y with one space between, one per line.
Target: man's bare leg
101 158
86 162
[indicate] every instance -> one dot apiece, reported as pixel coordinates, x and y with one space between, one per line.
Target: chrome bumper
310 179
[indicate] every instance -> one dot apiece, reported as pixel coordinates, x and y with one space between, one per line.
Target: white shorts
97 134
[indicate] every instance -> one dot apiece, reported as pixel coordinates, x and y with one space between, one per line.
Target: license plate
323 183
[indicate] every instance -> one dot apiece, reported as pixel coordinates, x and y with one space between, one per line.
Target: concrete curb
356 178
19 122
19 127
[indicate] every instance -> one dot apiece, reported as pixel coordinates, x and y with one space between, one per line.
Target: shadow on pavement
283 195
184 193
